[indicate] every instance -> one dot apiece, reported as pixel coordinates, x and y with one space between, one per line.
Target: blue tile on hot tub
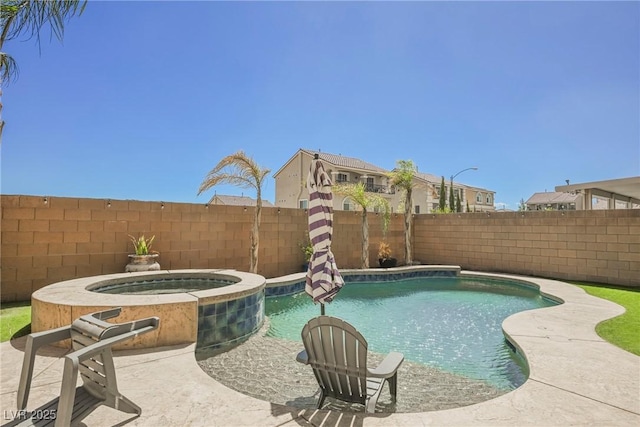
209 309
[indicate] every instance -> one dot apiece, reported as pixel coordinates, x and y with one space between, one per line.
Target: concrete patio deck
576 378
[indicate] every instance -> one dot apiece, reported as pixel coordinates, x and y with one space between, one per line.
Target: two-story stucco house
478 199
291 189
291 179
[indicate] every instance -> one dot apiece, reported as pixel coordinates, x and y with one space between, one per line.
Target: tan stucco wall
67 238
290 182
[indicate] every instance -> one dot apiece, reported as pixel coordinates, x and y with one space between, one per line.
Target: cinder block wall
597 246
47 240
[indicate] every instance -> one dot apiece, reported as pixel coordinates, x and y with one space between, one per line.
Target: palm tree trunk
1 121
407 229
255 238
365 239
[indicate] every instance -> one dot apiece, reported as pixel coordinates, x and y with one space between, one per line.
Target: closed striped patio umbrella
323 278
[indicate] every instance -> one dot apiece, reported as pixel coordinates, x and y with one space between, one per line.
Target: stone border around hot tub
212 318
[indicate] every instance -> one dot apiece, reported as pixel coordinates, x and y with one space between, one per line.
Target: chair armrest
388 367
106 314
34 342
49 337
302 357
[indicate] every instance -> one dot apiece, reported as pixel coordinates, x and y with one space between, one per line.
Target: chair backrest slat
80 341
337 354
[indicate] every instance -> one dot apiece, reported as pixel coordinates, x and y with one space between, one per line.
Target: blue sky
142 99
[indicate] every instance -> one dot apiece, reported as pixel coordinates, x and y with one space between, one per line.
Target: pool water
163 286
453 324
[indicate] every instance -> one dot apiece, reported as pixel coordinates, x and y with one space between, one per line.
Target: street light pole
451 201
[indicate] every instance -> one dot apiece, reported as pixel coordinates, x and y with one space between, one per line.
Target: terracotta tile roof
431 178
346 162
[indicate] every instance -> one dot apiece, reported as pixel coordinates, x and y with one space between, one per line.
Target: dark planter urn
142 263
387 262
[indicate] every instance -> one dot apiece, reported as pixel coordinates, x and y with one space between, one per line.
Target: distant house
478 199
220 199
291 187
621 193
555 201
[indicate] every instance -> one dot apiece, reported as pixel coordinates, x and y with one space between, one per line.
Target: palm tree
26 18
402 177
240 169
365 200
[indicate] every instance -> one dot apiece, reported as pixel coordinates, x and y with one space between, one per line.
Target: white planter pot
142 263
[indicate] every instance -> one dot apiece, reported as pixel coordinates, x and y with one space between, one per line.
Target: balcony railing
377 188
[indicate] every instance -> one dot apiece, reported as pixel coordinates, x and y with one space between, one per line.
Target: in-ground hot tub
215 308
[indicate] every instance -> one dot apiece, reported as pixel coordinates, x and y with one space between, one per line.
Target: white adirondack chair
337 353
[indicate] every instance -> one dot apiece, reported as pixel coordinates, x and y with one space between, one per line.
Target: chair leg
393 386
67 391
370 405
321 399
372 399
124 404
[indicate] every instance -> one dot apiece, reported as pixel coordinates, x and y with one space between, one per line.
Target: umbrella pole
321 309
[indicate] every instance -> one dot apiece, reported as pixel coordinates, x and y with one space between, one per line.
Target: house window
342 177
488 199
348 205
417 209
478 197
369 184
303 203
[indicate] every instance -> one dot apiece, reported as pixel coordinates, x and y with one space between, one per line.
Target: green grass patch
15 320
621 331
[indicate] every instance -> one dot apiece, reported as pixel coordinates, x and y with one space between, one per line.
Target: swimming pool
453 324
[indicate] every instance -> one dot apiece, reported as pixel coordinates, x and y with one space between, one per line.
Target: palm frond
402 176
235 169
354 191
357 192
28 17
8 68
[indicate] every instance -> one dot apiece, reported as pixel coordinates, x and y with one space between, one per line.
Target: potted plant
384 256
144 258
